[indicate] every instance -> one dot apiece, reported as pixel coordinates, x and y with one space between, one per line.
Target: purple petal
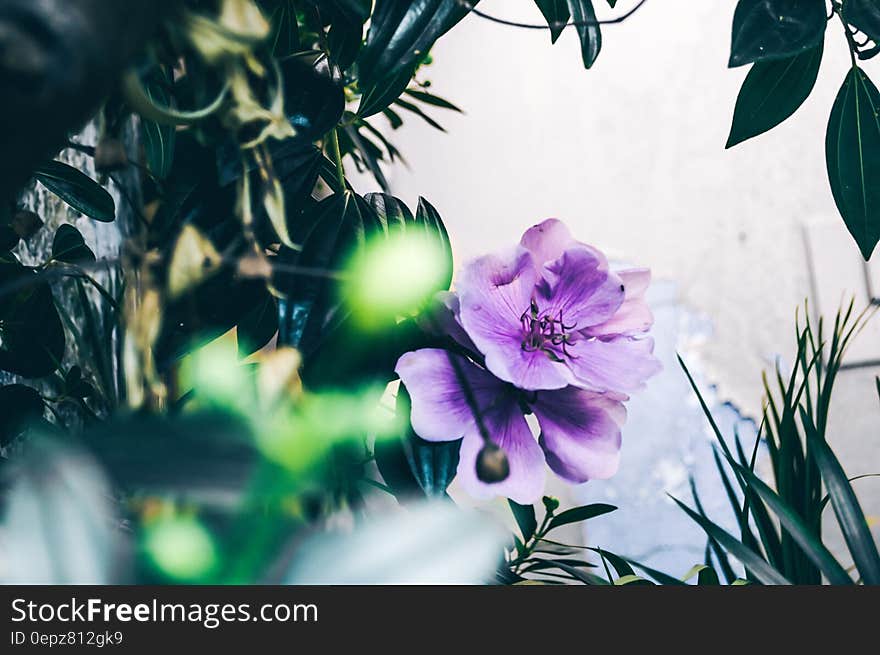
509 430
634 316
442 319
613 364
494 293
580 433
578 290
549 239
439 409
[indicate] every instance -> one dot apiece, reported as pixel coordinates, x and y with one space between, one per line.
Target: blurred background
631 155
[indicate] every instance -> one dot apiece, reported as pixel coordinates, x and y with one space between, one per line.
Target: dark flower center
546 332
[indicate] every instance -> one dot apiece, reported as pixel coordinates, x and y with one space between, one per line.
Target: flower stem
337 157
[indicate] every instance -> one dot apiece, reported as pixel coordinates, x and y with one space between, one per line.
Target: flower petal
509 430
439 409
634 316
549 239
617 363
580 433
577 289
494 293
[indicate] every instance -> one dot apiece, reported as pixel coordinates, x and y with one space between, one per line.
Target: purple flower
551 314
547 329
580 430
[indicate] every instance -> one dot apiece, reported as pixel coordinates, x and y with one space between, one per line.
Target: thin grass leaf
752 561
810 543
715 547
848 511
659 576
584 576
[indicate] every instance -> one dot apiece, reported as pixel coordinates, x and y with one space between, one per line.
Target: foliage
780 540
784 42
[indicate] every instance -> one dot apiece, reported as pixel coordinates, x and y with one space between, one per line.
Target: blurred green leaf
19 406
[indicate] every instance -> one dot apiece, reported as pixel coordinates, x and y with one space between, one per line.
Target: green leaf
430 219
751 560
525 518
583 576
557 14
809 542
582 12
431 99
31 334
771 92
19 405
401 34
70 247
158 139
847 509
78 190
775 29
578 514
852 156
863 15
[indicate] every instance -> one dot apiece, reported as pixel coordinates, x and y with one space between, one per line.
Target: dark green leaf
864 15
70 247
583 576
400 36
31 334
583 14
557 14
19 405
774 29
429 217
8 238
847 509
852 155
344 41
158 139
258 326
430 99
772 91
525 518
418 112
313 101
751 560
809 542
78 190
578 514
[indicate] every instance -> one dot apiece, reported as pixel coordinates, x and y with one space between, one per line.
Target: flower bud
551 504
492 464
110 155
25 223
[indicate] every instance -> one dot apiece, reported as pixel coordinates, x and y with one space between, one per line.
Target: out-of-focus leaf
19 405
78 190
70 247
584 16
258 326
774 29
434 543
852 155
194 258
8 238
158 139
58 527
32 343
772 91
578 514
